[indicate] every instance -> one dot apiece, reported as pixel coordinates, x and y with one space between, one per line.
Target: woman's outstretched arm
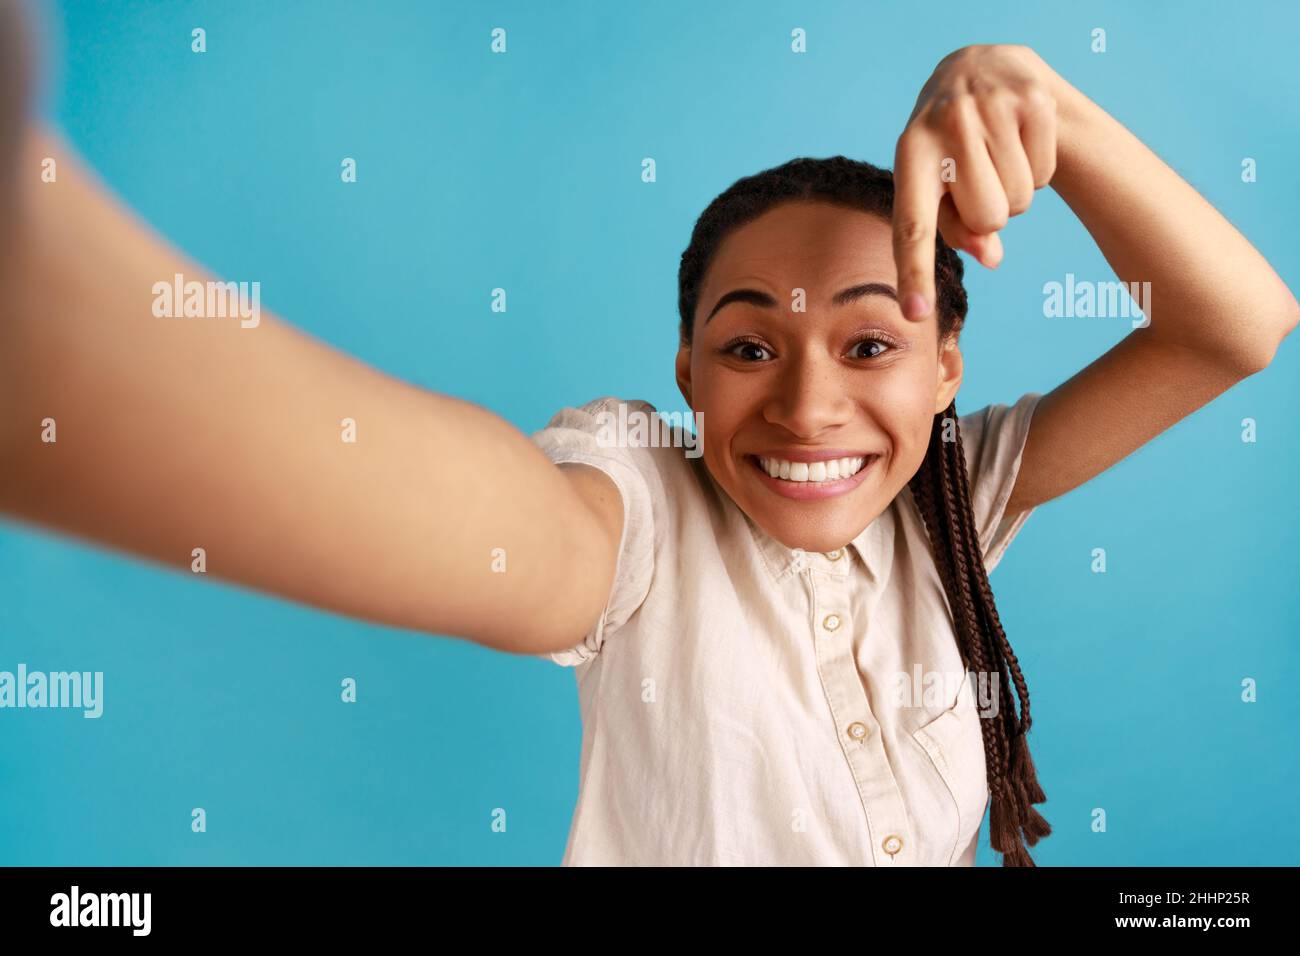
173 434
1216 310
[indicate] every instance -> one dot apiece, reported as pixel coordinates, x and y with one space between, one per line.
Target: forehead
812 245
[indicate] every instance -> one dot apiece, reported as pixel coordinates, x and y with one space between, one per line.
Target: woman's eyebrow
853 293
843 297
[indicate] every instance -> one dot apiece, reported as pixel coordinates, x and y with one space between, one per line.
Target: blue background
523 171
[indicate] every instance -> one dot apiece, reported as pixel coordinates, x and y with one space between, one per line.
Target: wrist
1080 125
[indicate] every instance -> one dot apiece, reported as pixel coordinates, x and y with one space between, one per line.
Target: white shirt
740 699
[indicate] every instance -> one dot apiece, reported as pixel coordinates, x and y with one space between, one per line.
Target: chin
812 532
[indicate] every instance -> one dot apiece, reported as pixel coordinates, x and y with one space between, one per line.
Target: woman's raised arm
994 123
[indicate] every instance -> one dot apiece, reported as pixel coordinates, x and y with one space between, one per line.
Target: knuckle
1037 100
1020 202
991 219
1018 52
960 53
911 279
986 227
999 104
953 113
1002 96
908 144
1043 176
910 232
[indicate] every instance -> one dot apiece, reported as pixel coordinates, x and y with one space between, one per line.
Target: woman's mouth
823 478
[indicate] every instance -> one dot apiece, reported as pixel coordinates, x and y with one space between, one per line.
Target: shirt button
857 730
892 844
835 555
831 622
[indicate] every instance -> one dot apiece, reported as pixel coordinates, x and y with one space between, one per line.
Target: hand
981 139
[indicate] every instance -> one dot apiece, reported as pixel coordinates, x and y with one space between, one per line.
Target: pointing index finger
917 192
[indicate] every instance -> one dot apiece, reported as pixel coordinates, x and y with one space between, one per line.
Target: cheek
911 441
719 430
725 402
903 407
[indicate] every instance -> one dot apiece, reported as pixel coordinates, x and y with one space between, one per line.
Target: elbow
1269 341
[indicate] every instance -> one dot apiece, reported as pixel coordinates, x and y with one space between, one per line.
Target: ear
950 374
684 373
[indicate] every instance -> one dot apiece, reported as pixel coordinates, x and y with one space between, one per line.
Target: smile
818 471
824 478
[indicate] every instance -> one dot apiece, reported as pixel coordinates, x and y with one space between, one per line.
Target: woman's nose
809 399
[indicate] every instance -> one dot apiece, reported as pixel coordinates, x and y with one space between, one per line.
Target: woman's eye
881 348
750 352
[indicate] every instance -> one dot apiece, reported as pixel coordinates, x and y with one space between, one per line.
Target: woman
740 622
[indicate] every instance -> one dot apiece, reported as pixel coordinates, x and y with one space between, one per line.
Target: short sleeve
993 439
583 435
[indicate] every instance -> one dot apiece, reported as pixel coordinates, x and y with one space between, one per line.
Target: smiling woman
846 518
830 426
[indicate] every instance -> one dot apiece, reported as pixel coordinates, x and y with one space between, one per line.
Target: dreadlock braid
1022 773
940 488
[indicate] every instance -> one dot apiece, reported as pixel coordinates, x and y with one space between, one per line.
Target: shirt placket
856 728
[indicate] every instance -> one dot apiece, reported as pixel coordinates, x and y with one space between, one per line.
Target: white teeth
832 470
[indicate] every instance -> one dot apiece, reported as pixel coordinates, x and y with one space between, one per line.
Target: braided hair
940 488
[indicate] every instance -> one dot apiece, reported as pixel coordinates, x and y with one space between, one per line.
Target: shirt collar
870 546
874 542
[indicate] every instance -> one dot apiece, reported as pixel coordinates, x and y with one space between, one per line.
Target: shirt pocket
954 743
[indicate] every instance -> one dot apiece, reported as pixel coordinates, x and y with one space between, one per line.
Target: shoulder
630 433
654 458
993 442
647 455
993 436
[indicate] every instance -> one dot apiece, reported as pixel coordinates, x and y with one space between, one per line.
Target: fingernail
915 306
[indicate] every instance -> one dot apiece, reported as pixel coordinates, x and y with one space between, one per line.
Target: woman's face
792 379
